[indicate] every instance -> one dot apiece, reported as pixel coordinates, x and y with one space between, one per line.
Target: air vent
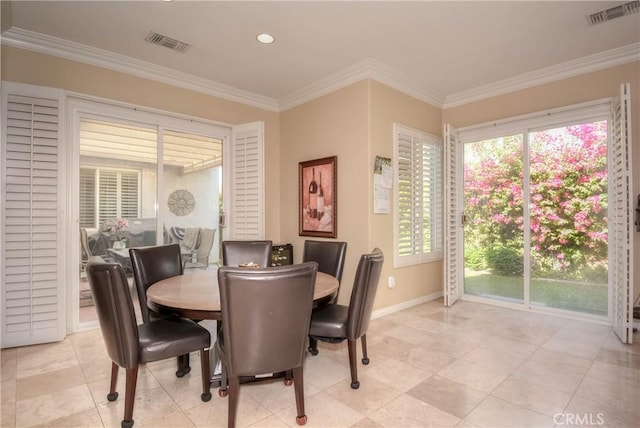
614 12
167 42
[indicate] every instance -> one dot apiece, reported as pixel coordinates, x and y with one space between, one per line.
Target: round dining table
195 295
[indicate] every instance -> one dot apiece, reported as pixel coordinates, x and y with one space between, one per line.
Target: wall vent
167 42
614 12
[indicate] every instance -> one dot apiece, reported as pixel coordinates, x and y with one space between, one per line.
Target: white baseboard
405 305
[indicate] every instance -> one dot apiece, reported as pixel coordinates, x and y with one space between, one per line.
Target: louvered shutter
621 218
409 211
246 216
129 190
108 195
32 217
88 198
418 196
453 246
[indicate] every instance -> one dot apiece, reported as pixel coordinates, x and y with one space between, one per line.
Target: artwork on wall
318 197
181 202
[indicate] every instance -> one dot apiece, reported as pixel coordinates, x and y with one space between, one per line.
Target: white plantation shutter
32 271
88 198
108 195
129 194
246 208
453 245
621 218
418 196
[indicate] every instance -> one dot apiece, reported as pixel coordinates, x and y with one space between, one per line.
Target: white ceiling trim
368 69
30 40
587 64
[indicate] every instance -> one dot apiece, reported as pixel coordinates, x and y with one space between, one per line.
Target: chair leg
298 385
130 397
313 345
365 358
206 375
113 394
183 365
234 389
351 344
288 378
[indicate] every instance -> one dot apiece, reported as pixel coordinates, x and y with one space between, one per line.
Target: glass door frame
78 107
591 111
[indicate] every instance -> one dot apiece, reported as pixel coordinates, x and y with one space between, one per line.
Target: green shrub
505 261
475 258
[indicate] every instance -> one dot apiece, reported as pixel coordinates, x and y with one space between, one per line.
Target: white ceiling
440 49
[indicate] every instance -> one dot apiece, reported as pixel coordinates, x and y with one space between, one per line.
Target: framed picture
318 197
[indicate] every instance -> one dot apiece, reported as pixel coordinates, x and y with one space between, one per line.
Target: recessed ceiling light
265 38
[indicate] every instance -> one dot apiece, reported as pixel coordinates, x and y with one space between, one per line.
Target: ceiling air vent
614 12
167 42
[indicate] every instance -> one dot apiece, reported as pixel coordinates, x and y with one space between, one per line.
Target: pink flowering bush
568 202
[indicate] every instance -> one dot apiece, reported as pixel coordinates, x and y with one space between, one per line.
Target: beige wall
332 125
389 106
579 89
37 69
355 124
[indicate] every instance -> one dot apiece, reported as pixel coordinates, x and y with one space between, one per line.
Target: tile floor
471 365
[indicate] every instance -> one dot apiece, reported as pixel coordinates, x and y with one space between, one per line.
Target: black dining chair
335 323
150 265
236 253
129 344
271 336
330 256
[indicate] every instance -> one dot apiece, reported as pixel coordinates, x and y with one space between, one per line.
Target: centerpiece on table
117 226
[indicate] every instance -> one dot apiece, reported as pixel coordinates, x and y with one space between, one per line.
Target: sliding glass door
535 217
143 184
568 217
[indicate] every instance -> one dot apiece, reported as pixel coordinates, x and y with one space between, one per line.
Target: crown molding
30 40
587 64
367 69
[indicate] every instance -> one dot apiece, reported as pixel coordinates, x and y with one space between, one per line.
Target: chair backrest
265 316
235 253
152 264
206 243
329 255
85 251
114 307
363 293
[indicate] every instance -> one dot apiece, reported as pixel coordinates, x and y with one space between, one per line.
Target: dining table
195 295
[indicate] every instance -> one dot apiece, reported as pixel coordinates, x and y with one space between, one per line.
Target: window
108 193
417 197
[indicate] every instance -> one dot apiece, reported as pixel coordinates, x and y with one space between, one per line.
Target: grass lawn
574 296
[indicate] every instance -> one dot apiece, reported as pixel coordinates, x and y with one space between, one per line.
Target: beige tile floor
472 365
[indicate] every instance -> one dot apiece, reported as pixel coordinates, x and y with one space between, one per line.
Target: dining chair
128 344
150 265
334 323
235 253
269 337
200 256
330 256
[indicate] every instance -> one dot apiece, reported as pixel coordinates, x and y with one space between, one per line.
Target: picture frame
318 197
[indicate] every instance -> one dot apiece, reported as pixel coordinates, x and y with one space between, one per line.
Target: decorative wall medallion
181 202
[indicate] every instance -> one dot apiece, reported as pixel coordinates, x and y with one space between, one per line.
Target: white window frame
424 165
